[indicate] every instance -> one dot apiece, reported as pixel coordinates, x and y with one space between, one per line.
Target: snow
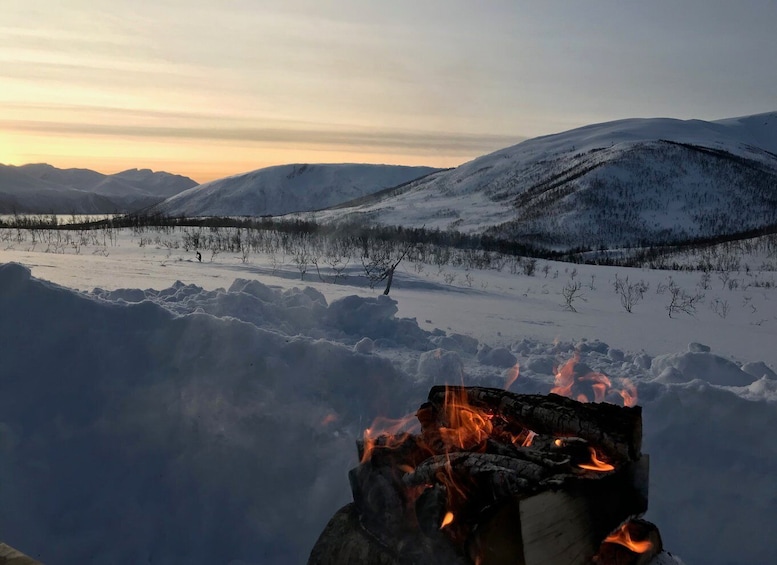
288 188
615 183
156 409
42 188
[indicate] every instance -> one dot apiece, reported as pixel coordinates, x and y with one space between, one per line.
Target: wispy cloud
434 78
429 143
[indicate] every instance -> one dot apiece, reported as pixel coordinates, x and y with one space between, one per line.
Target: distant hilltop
42 188
633 182
288 188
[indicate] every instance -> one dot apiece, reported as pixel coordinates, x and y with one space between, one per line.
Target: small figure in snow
199 257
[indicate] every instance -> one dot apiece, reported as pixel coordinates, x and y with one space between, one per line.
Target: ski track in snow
217 425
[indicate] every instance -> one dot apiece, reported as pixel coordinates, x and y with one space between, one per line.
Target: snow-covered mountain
288 188
624 182
42 188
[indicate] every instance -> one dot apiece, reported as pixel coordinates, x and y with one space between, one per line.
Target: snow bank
700 363
194 426
131 433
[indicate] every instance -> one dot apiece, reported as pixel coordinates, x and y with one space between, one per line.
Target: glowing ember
529 439
447 520
596 464
623 537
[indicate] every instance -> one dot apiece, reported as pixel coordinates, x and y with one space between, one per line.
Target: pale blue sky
215 87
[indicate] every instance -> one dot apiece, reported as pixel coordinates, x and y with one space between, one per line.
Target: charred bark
510 497
615 429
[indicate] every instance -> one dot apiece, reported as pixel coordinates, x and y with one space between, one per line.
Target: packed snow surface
214 420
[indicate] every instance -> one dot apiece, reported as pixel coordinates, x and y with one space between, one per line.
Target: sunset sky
209 88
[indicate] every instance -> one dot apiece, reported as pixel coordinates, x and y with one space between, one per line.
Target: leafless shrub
529 266
720 307
571 293
630 293
704 280
681 301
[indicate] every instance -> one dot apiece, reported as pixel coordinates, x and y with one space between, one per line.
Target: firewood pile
482 476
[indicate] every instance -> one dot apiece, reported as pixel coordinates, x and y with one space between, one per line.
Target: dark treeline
357 234
398 234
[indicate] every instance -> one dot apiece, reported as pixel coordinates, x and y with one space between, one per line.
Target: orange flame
565 377
623 537
529 439
596 464
628 393
512 375
395 432
448 519
329 419
601 384
468 427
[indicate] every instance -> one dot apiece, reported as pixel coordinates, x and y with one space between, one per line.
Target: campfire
483 476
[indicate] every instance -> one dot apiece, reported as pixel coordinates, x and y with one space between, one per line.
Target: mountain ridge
637 181
43 188
284 189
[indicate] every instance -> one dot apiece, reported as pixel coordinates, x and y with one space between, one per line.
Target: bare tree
681 301
302 254
630 293
720 307
529 265
380 259
571 292
337 256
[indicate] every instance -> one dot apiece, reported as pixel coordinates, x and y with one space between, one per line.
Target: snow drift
192 426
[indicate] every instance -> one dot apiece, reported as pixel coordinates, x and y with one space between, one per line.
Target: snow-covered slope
288 188
622 182
42 188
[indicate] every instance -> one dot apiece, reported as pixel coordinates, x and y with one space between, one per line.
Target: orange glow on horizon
201 161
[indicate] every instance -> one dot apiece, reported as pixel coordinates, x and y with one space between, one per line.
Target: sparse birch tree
630 293
571 293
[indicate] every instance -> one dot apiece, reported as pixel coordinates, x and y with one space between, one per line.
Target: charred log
538 480
615 429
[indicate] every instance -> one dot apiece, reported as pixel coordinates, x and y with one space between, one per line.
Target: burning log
494 477
616 429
